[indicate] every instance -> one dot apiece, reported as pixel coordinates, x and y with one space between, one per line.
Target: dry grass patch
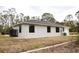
20 45
2 37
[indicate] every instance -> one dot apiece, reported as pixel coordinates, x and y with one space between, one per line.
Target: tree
70 24
69 17
5 17
72 27
26 18
1 28
17 19
77 15
11 14
48 17
68 21
33 18
21 19
78 27
1 20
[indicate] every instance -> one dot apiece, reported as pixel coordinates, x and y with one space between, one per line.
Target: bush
77 41
6 30
1 28
64 34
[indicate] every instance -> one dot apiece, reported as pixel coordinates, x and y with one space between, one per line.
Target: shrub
64 34
6 30
77 41
1 28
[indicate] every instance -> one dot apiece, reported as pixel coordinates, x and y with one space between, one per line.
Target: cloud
59 8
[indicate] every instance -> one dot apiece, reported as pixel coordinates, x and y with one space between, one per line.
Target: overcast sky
59 8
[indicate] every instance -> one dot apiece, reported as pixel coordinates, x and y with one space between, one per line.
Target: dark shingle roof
42 23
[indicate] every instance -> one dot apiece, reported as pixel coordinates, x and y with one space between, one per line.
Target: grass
6 38
77 41
37 46
67 48
74 33
10 44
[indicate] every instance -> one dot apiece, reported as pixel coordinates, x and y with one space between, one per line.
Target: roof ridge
43 23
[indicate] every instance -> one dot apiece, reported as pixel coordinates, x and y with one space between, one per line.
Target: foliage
77 15
26 18
6 30
77 41
69 17
1 28
48 17
72 28
77 27
68 21
10 17
64 34
71 24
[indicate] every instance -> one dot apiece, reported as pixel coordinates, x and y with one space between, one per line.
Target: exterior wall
40 31
66 30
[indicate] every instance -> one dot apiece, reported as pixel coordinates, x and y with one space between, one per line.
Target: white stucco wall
40 31
66 30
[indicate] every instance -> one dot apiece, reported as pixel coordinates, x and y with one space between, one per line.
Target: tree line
10 17
73 24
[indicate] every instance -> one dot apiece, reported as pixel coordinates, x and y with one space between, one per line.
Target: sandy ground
68 48
21 45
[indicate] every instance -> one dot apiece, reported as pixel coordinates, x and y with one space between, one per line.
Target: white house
35 29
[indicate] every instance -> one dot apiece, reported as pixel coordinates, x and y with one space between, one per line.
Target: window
48 29
19 28
57 29
31 29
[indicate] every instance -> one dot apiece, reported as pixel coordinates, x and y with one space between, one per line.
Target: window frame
48 29
57 29
20 28
31 29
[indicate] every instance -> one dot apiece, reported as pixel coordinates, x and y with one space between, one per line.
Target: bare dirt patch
21 45
68 48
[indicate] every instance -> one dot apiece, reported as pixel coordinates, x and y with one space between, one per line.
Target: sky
59 8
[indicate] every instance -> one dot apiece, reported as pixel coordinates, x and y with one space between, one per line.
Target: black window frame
20 28
31 28
48 29
57 29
